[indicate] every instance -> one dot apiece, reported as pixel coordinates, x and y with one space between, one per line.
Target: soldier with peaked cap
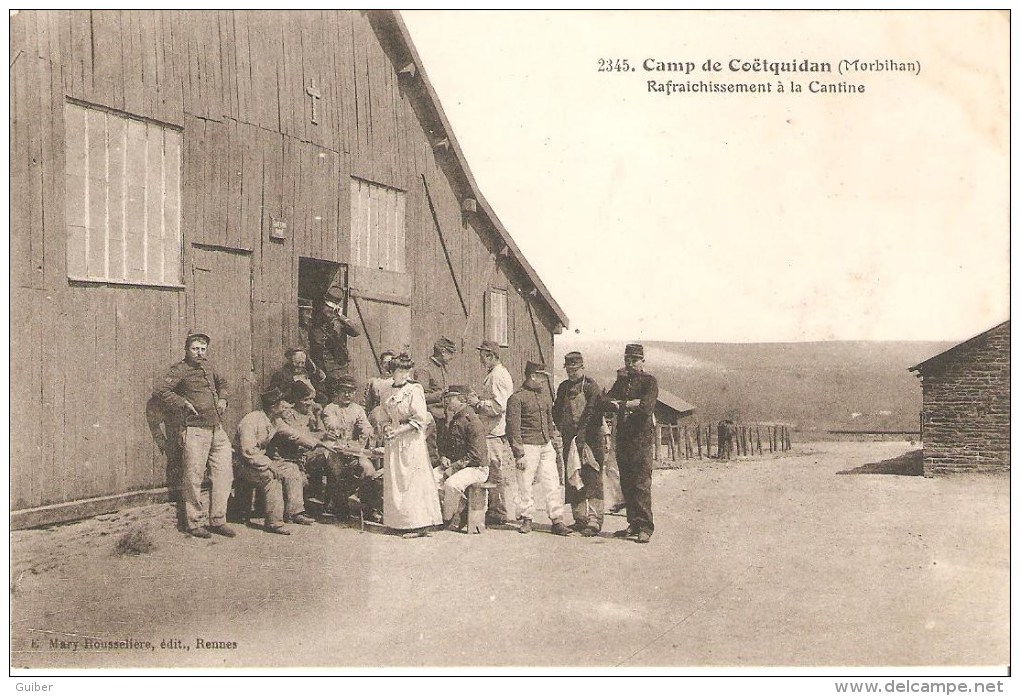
530 432
464 453
298 367
632 397
378 388
328 333
260 436
577 413
434 377
348 426
196 391
497 386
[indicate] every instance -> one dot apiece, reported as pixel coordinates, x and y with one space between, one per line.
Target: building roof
391 20
935 360
675 402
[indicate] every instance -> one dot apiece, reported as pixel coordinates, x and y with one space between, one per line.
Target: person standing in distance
633 397
194 389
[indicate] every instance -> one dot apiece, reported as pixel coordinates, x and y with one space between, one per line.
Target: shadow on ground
907 464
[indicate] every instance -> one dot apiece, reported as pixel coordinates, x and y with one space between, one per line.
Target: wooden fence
696 441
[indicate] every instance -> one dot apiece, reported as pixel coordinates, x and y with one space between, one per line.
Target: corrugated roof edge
529 271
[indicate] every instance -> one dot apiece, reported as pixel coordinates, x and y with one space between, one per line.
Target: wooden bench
478 503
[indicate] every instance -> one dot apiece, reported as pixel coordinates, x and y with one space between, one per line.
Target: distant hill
832 385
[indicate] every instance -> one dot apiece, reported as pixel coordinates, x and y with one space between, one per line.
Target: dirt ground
778 562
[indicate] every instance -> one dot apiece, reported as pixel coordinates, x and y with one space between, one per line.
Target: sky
741 217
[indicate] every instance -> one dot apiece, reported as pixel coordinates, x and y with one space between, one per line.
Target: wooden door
222 302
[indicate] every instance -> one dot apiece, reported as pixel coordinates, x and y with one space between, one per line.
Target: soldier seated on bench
347 473
305 416
258 462
463 453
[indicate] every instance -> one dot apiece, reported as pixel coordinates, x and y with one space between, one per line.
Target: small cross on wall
315 94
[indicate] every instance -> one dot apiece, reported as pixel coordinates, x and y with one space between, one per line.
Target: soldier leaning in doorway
434 378
577 413
633 397
328 333
198 393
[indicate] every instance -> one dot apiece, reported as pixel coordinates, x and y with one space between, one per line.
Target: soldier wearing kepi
328 333
497 386
530 431
464 453
577 413
199 392
633 398
434 377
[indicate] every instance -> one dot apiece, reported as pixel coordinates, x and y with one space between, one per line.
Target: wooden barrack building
218 170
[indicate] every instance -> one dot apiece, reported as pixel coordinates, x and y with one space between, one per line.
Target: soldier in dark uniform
633 398
434 377
725 431
328 333
465 456
577 413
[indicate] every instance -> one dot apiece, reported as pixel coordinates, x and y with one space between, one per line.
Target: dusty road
755 562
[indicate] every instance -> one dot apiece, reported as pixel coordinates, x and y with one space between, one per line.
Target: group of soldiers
311 427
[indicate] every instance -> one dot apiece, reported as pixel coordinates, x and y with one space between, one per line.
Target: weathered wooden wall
84 355
965 414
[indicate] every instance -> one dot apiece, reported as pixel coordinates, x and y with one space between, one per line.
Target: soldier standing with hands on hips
195 389
632 397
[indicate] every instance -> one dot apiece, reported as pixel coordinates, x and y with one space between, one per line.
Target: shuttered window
377 226
496 317
123 198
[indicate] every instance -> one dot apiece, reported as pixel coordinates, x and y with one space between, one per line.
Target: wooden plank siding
94 93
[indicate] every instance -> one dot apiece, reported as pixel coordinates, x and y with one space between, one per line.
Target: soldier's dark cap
289 353
343 382
444 345
300 390
573 359
271 397
192 335
489 347
634 350
334 295
533 367
457 390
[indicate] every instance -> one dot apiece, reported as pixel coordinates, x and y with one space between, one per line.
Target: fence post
757 428
697 431
708 442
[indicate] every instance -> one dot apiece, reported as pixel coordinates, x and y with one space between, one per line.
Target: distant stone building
965 405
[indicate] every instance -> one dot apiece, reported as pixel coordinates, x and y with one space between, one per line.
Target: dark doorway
315 277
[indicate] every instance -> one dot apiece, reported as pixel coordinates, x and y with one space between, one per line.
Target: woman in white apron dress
410 497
